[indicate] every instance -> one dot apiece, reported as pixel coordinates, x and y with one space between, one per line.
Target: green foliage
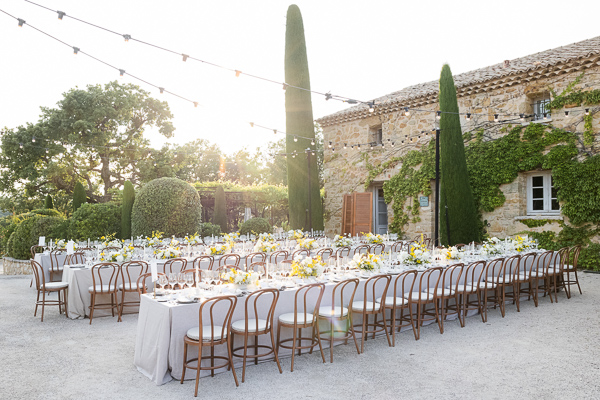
534 223
92 221
208 229
48 203
29 229
256 226
589 258
220 213
79 196
579 189
458 214
303 175
127 206
167 205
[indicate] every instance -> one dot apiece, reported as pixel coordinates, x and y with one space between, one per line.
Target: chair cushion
442 291
500 279
56 285
337 311
240 326
553 270
194 333
482 285
389 301
102 288
370 306
415 296
289 318
129 286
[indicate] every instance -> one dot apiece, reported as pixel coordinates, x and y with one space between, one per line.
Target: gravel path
548 352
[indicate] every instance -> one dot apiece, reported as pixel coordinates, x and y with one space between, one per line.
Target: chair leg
293 346
198 369
185 346
120 306
43 305
577 281
66 296
92 307
316 331
230 357
275 352
245 356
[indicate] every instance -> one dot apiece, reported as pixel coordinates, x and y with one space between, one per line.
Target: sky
358 49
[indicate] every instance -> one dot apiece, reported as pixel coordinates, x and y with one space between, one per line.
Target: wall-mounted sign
424 201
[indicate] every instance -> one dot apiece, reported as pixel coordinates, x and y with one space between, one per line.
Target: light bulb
438 114
495 117
295 139
406 111
468 117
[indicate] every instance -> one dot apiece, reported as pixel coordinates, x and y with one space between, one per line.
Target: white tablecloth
44 260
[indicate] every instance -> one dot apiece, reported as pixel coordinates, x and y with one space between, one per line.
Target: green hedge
28 231
256 226
208 229
92 221
167 205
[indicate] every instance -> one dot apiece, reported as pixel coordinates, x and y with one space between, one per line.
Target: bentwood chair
325 253
369 306
398 246
204 262
174 265
337 316
421 297
471 286
56 263
300 252
342 252
548 272
104 283
212 330
75 258
45 288
130 271
526 274
362 249
142 285
402 284
571 267
258 267
492 277
277 256
254 258
506 280
306 300
446 291
377 248
36 249
259 311
232 259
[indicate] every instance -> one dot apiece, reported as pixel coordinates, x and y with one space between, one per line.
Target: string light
468 116
20 145
312 142
522 116
330 144
61 14
371 106
185 57
392 144
587 111
295 138
495 117
75 50
161 90
438 114
333 149
21 22
545 116
127 37
33 139
46 150
566 113
406 112
237 73
121 72
345 146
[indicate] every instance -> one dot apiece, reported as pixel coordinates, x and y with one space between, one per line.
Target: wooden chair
278 256
369 306
325 253
377 248
506 280
338 316
230 259
398 246
36 249
56 266
548 273
44 288
300 252
258 267
421 297
446 291
493 279
363 248
174 265
254 258
471 286
142 286
256 323
130 271
571 267
204 260
197 278
76 258
103 286
526 274
210 332
341 252
306 300
397 302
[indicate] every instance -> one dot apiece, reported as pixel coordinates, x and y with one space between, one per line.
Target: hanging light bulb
274 131
312 142
20 145
33 139
162 90
371 106
406 112
358 146
566 113
392 144
237 73
330 143
127 37
21 22
495 117
75 50
185 57
468 116
371 145
587 111
438 114
46 150
382 145
333 149
522 116
121 72
345 146
252 124
545 116
285 86
61 14
195 104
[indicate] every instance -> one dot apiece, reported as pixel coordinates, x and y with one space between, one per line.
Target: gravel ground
547 352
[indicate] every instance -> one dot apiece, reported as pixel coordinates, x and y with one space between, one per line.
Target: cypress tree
299 121
458 216
128 199
220 211
49 203
79 196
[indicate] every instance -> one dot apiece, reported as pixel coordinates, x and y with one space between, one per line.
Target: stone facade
508 88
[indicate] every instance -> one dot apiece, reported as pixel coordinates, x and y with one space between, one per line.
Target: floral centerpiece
491 246
367 262
523 243
125 254
217 250
110 241
169 252
307 266
238 277
192 239
154 240
341 241
417 255
373 239
230 239
297 234
308 244
454 253
265 246
266 237
62 244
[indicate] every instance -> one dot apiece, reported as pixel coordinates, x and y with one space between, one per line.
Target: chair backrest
398 246
300 252
373 287
363 248
429 279
460 245
75 258
526 264
131 270
562 258
256 304
258 266
174 265
574 254
206 261
494 270
141 282
325 253
278 256
343 293
104 277
219 312
342 252
38 273
192 271
55 259
427 242
403 283
255 257
543 261
511 266
36 249
308 299
224 268
377 248
472 274
230 259
451 276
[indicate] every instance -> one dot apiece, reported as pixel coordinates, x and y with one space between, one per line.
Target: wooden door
362 213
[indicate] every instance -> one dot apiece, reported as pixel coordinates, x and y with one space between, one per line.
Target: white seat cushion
194 333
442 291
415 296
56 285
389 301
129 286
240 326
482 285
289 318
370 306
553 270
500 279
336 312
103 288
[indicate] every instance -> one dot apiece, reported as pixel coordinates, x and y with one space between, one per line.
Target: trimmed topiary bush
128 200
28 231
256 226
167 205
48 203
220 212
208 229
92 221
79 196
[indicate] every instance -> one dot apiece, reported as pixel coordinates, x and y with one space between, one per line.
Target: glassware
163 281
181 278
173 280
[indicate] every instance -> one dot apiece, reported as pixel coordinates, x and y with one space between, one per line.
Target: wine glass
163 281
207 277
181 278
173 280
189 280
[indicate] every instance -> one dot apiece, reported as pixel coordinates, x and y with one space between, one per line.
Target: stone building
509 89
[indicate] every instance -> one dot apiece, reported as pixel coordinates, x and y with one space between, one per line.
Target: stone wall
345 169
11 266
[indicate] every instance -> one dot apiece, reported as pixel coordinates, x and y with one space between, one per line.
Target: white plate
162 299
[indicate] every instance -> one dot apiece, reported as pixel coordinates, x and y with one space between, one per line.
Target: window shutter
347 214
362 213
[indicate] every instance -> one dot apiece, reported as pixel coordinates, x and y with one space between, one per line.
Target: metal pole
436 235
309 227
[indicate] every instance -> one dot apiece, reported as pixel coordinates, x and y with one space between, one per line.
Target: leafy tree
128 199
48 203
458 215
299 121
94 135
220 213
275 164
78 196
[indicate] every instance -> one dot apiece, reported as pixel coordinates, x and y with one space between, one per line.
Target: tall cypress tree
303 175
458 216
128 199
220 211
49 203
79 196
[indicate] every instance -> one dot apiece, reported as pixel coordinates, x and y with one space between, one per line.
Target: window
541 194
539 107
376 134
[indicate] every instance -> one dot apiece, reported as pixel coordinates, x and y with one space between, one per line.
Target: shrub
28 231
47 211
92 221
48 203
167 205
256 226
220 212
79 196
128 199
208 229
589 258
